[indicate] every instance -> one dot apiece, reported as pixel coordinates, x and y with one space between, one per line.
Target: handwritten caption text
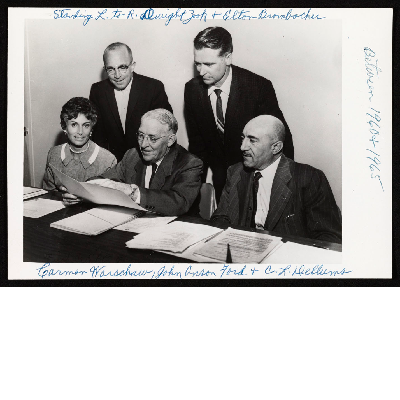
183 15
182 272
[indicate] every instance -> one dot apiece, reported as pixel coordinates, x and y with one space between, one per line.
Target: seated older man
272 192
162 177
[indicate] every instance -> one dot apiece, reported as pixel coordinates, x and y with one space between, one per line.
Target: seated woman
80 158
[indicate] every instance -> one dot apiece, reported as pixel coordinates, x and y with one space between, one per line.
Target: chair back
208 203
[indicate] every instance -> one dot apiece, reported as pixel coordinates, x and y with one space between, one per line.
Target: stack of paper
97 220
30 192
292 253
149 221
245 247
95 193
39 207
175 237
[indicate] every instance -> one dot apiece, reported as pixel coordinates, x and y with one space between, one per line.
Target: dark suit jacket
301 203
146 94
175 185
250 96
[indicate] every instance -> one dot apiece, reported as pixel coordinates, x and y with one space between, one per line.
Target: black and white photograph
200 206
162 146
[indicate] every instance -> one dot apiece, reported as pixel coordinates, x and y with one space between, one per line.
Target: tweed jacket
175 185
146 94
301 203
250 96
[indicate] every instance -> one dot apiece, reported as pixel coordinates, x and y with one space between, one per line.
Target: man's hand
129 189
68 198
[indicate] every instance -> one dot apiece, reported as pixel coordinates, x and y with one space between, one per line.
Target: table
45 244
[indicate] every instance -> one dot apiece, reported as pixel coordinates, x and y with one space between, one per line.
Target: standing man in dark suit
161 176
220 101
272 192
122 99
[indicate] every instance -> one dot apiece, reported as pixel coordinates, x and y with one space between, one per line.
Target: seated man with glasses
122 99
162 176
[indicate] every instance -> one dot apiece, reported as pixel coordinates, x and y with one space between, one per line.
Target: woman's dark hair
78 105
215 38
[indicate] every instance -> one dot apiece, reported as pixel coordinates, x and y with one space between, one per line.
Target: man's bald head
262 142
270 125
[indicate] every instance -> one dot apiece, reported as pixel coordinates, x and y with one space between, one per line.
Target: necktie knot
218 92
257 176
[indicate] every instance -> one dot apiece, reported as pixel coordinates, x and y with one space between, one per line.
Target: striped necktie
220 114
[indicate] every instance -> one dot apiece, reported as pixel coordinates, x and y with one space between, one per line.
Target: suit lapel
280 193
140 171
164 169
133 95
109 91
233 106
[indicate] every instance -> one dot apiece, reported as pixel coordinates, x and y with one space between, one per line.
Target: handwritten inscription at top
184 15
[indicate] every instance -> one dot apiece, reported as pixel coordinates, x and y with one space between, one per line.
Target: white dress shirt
122 98
264 193
225 90
149 171
147 177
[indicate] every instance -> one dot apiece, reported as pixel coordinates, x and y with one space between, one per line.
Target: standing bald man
122 99
272 192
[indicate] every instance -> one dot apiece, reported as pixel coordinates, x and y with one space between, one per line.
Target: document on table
30 192
39 207
245 247
144 223
97 220
294 253
175 237
95 193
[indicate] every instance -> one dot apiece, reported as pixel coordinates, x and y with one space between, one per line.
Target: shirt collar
159 161
86 158
225 87
271 169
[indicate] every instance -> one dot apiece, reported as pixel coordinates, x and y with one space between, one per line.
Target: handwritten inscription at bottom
192 272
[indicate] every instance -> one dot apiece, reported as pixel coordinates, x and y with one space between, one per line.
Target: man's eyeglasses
122 69
152 139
